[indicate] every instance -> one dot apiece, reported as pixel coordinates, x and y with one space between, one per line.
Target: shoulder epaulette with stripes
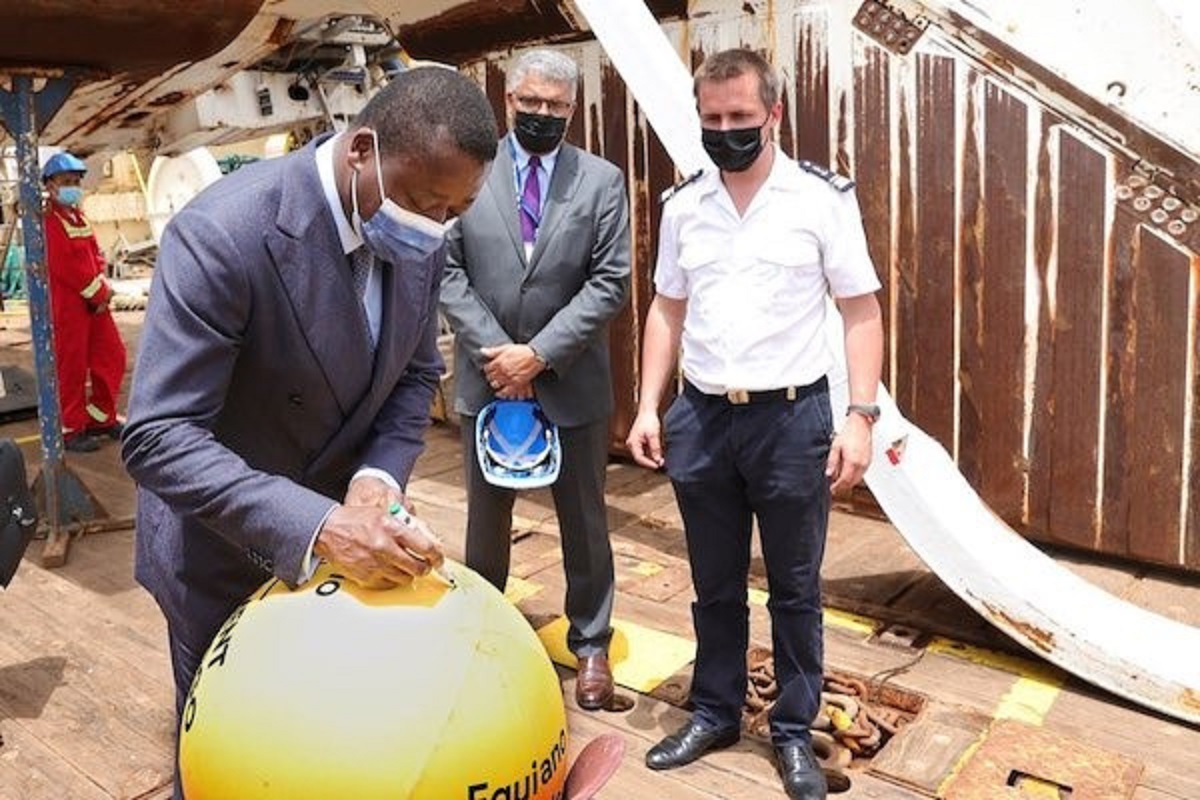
839 182
690 179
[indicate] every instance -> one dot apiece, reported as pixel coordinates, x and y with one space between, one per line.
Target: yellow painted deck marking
647 569
518 589
1032 694
641 657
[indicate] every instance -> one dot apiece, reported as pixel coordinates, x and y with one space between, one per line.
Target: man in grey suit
289 358
529 289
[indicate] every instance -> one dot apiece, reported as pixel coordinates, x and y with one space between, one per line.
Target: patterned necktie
531 202
361 261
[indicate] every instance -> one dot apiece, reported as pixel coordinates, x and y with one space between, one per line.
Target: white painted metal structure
1130 651
1140 58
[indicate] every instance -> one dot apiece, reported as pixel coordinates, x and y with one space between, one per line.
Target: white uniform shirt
755 285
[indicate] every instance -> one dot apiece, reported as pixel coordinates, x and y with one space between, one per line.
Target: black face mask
539 133
733 150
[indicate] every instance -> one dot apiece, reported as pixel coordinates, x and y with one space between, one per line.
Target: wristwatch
868 410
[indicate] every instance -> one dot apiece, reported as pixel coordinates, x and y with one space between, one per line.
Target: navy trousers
729 464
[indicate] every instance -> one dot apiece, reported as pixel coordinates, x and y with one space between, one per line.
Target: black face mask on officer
539 133
733 150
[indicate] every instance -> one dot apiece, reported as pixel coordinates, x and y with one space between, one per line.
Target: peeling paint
1038 637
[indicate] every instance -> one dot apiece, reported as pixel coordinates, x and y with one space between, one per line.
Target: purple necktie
531 202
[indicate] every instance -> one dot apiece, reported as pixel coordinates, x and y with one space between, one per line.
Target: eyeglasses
532 105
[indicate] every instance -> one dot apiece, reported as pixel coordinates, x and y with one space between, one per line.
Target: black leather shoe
80 443
802 776
689 743
113 431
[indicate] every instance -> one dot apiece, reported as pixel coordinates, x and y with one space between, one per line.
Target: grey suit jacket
559 301
254 397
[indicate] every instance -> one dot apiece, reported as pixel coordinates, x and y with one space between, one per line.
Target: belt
741 397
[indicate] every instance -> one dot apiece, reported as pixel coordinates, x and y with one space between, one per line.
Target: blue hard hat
517 447
62 162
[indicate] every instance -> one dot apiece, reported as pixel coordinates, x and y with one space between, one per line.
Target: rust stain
472 28
1014 753
1039 637
281 33
1190 699
113 39
168 99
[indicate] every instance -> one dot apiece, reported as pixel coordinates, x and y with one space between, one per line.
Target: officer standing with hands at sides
746 258
535 272
289 360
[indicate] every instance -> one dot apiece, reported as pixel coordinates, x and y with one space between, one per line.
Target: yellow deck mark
1033 692
518 589
641 657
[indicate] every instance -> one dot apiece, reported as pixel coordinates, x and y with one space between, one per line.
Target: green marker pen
401 513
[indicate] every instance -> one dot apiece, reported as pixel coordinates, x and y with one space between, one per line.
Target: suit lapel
502 187
563 184
314 273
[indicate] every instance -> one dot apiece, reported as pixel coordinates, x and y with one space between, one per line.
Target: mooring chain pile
849 725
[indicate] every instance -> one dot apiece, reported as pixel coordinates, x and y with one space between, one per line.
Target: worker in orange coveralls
87 346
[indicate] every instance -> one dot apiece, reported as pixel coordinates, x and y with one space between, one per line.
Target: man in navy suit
289 360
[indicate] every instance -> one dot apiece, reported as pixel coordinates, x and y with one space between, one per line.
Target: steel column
25 112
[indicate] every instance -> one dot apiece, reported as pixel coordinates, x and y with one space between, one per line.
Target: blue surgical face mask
70 196
395 234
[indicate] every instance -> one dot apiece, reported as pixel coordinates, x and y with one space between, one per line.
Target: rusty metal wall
1040 292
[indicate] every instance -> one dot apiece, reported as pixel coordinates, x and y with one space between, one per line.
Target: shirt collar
781 176
350 240
521 156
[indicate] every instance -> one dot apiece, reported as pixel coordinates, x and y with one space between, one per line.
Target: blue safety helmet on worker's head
62 162
517 447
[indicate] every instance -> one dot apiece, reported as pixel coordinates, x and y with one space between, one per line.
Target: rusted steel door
1040 283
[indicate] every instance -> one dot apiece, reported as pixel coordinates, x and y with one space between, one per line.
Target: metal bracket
889 25
46 102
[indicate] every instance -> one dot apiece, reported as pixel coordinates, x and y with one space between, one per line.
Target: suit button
296 400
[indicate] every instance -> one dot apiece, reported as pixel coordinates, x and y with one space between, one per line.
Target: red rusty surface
991 363
471 29
1032 634
1191 523
1066 424
1013 749
118 35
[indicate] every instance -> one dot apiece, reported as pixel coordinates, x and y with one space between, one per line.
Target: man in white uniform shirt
746 257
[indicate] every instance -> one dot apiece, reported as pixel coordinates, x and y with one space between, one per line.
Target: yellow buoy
331 691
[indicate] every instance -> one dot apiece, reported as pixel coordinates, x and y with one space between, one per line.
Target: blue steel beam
25 113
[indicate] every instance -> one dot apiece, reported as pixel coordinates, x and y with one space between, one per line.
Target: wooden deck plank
47 694
95 730
31 770
1167 749
1173 596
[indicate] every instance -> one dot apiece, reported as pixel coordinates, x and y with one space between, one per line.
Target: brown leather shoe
594 682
